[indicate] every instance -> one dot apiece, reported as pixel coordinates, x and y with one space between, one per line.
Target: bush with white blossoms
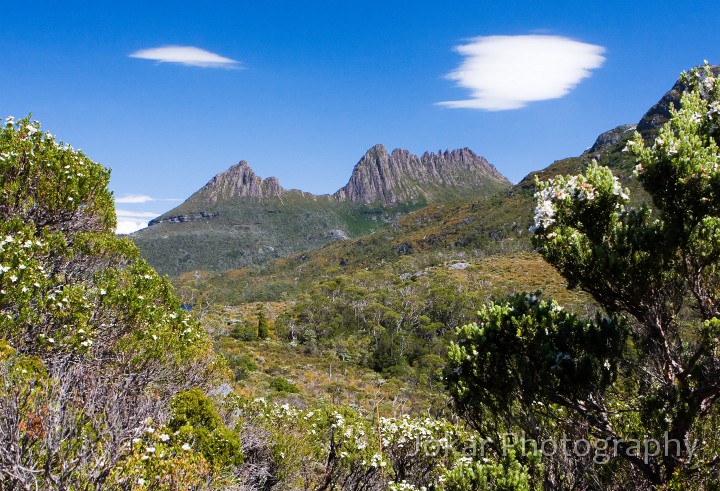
327 444
97 334
566 196
336 446
648 367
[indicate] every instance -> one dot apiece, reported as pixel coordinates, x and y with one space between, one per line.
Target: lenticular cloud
508 72
186 55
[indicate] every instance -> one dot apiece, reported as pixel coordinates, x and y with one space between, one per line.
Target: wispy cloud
133 198
132 221
508 72
140 198
186 55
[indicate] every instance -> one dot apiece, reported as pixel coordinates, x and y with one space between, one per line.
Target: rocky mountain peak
402 177
240 181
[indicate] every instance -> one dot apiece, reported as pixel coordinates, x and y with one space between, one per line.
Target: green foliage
281 385
241 365
263 327
194 417
526 351
327 446
94 341
508 474
193 408
244 332
651 368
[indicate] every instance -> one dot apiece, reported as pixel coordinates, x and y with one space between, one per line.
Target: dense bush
94 343
281 385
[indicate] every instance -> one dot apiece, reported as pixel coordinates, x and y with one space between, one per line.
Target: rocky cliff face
378 178
401 177
240 181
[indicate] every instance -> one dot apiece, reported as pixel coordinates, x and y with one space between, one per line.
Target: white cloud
131 221
140 198
133 198
507 72
186 55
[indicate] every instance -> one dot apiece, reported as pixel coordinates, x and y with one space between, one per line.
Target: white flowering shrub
94 341
648 367
421 449
320 446
334 447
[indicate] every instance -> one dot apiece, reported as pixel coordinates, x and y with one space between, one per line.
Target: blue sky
312 85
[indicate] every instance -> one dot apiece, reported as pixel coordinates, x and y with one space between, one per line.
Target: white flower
164 437
186 447
141 481
13 278
714 108
3 269
31 129
150 449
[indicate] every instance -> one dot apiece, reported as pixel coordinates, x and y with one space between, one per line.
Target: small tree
263 328
656 275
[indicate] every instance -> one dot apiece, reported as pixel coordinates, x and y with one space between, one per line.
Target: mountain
401 177
239 219
441 233
241 181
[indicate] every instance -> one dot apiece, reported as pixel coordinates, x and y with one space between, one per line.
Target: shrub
281 385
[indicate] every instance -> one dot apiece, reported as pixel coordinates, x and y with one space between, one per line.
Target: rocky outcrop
401 177
190 217
240 181
612 137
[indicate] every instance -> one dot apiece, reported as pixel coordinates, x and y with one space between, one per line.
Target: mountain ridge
379 177
239 219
